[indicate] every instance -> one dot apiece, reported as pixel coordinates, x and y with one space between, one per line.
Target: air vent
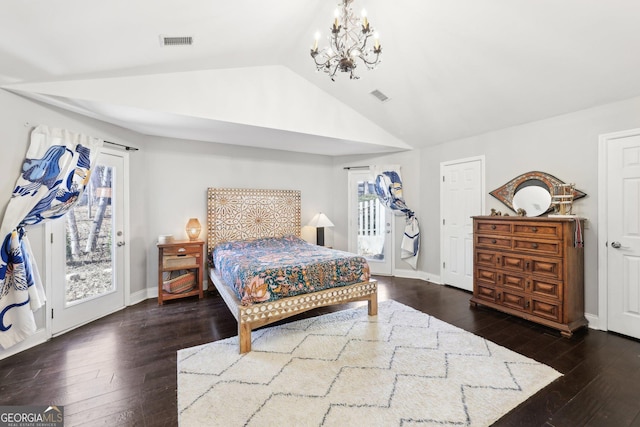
176 41
381 96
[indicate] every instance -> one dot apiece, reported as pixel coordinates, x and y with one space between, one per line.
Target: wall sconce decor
320 221
193 229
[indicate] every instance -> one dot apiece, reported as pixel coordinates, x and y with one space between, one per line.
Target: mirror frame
506 192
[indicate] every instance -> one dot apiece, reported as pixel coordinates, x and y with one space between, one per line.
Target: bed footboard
253 316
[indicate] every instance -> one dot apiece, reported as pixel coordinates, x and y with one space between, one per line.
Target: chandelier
348 43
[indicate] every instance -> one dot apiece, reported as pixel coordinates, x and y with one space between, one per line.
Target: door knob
616 245
120 243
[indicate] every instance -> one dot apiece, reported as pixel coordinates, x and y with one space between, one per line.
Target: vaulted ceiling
451 68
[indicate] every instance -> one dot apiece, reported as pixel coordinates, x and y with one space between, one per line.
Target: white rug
402 367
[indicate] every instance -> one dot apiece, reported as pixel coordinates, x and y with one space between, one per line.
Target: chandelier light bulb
349 43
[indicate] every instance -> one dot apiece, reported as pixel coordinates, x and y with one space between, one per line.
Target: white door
370 223
461 194
87 250
623 233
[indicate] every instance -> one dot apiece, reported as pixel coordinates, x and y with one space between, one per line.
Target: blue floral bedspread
272 268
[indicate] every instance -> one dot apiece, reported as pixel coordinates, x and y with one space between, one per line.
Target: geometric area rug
399 368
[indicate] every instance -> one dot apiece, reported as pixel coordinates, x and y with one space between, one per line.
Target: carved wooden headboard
242 213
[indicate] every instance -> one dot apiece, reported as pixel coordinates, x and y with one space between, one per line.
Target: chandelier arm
348 44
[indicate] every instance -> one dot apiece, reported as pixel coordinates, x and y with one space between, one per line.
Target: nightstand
184 259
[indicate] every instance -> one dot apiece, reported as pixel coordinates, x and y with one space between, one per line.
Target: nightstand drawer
185 249
176 261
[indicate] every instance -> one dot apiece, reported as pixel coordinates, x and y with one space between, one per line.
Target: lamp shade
193 228
320 220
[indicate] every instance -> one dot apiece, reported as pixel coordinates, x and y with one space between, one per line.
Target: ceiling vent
381 96
176 41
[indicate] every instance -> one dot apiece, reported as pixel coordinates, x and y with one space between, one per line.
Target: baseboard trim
421 275
142 295
433 278
594 321
408 274
38 338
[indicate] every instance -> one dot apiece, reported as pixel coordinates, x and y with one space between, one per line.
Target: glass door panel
89 235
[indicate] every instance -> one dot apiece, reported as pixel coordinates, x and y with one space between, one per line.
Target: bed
254 216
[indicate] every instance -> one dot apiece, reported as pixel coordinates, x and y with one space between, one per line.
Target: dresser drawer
486 258
487 293
493 227
549 267
546 309
545 231
485 276
512 262
543 247
546 289
511 281
493 242
512 299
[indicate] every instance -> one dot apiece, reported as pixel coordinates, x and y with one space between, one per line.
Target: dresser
530 268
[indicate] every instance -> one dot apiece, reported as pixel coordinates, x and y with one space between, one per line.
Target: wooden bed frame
235 214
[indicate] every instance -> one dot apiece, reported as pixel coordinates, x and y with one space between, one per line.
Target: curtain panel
54 175
388 187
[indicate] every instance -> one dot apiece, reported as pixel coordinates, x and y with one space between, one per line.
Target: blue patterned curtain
54 174
389 190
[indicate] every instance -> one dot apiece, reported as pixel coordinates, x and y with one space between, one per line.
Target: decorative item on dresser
183 258
532 268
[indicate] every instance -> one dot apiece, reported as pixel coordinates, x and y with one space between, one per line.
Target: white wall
565 146
178 173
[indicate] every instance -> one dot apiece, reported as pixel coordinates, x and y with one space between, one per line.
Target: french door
370 224
87 255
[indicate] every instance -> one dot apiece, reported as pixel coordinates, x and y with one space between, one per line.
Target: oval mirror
533 199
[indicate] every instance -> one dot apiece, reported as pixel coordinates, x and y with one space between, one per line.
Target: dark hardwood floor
121 370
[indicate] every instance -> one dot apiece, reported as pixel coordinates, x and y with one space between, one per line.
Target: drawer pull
534 229
181 250
493 226
493 241
526 265
534 246
528 303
